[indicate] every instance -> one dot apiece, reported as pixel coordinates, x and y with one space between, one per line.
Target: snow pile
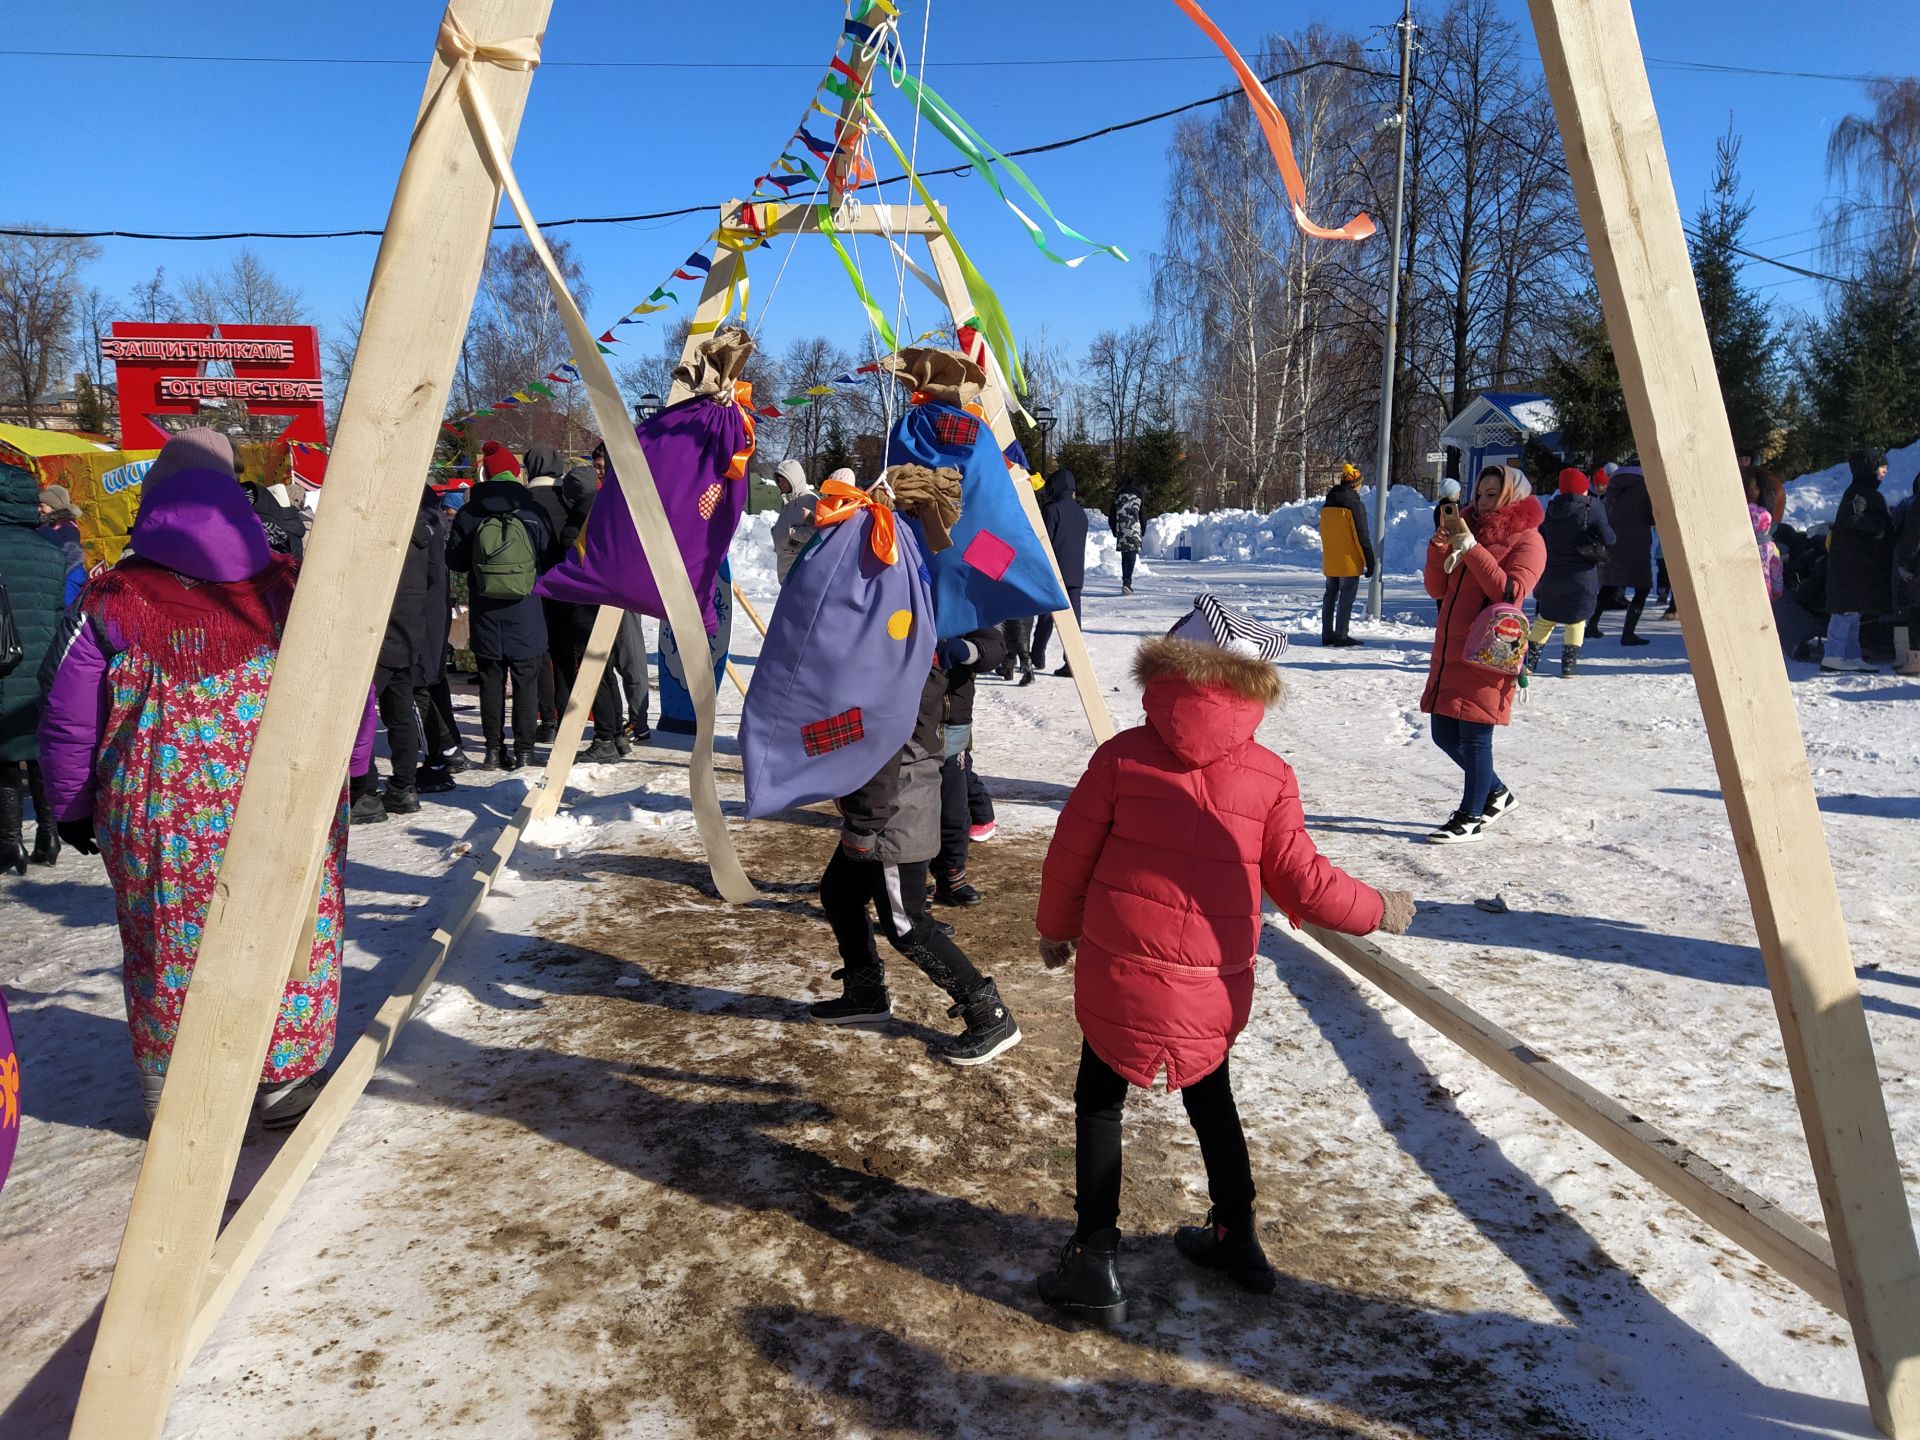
752 555
1291 534
1812 499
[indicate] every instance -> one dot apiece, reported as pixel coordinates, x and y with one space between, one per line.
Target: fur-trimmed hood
1204 702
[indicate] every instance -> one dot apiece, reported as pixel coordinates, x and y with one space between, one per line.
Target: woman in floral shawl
156 685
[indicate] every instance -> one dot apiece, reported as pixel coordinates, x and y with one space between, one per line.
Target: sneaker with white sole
1499 802
991 1029
1459 829
977 833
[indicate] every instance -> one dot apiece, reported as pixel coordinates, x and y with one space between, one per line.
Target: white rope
913 155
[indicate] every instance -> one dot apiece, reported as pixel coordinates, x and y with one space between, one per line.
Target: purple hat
194 517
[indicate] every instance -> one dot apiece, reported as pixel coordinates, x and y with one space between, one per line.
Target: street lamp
1043 419
646 407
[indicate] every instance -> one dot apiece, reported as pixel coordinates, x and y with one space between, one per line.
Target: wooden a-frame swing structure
178 1268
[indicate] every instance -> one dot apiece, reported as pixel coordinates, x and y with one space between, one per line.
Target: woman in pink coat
1155 874
1493 552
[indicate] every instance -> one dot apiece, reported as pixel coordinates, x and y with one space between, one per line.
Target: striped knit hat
1211 623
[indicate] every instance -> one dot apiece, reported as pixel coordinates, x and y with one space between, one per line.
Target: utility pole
1391 347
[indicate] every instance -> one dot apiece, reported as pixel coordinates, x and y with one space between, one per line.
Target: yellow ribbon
841 501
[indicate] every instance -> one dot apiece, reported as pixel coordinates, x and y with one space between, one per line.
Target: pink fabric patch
988 554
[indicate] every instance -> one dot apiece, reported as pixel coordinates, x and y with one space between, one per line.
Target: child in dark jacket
1155 876
890 831
967 656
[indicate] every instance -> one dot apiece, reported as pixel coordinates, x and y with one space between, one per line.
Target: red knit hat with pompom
1572 482
497 460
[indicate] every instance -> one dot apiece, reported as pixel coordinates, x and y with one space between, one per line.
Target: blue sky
245 146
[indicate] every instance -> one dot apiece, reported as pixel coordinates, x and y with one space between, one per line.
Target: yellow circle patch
899 624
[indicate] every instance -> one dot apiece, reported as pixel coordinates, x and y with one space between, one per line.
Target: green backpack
503 559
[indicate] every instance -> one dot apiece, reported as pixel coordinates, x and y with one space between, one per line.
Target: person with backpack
1346 556
1577 537
1152 887
1129 529
1480 567
498 539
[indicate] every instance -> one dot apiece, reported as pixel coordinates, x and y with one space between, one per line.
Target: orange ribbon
743 397
841 501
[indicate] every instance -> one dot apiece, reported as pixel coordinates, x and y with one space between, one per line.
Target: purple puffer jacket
194 519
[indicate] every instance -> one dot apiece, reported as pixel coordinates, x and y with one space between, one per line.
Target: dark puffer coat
35 573
501 629
1570 586
1066 524
1630 511
1860 552
409 623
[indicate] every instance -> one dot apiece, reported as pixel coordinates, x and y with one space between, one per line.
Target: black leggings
1099 1095
899 894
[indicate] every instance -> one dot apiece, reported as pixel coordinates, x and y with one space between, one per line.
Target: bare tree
516 336
1123 386
244 292
40 296
807 363
341 346
1875 160
150 302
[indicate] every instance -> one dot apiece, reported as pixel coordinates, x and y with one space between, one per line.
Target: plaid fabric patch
710 501
836 732
988 554
953 427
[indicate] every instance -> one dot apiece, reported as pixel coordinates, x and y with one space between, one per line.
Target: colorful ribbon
823 216
1279 137
983 157
841 501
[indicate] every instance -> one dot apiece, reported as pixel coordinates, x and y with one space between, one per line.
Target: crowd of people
130 710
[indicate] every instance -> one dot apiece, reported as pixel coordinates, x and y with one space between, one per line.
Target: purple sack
9 1095
837 688
689 447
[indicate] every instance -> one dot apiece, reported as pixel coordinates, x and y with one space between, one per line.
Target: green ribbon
983 157
823 215
993 327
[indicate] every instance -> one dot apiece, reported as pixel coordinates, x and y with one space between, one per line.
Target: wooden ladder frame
171 1281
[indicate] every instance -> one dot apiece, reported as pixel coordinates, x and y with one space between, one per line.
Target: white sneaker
1459 829
1499 803
1841 665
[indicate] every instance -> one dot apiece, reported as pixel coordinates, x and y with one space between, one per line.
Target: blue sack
998 567
836 692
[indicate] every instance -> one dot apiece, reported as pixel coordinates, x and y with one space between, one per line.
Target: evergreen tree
1861 368
835 453
1584 385
1739 324
1157 464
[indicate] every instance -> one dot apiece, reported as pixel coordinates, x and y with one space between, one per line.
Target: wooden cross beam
421 295
1598 77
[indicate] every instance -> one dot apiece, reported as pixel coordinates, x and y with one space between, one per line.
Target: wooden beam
1597 75
752 614
997 403
1752 1222
417 307
246 1234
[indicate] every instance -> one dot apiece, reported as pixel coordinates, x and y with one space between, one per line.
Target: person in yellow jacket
1345 555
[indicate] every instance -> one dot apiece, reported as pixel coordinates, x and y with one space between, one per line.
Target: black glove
79 834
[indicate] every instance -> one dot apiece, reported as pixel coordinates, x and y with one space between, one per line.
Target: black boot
368 809
1026 675
46 835
954 890
600 752
860 1002
1569 662
990 1030
1632 622
402 799
1234 1249
494 757
13 846
1086 1282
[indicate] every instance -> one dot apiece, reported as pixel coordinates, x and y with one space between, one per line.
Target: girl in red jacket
1155 875
1492 552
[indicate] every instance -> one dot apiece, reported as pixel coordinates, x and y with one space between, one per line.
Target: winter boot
1065 672
150 1088
494 758
1531 664
46 835
1086 1282
1627 637
281 1106
990 1030
1569 662
13 845
858 1003
402 799
954 890
1232 1248
1005 672
369 809
522 756
600 752
622 743
434 780
544 732
1026 675
456 761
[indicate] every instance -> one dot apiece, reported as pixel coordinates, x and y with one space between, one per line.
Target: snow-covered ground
606 1185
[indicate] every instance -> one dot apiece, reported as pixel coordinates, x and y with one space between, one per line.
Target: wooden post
422 292
1598 78
1065 623
752 614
